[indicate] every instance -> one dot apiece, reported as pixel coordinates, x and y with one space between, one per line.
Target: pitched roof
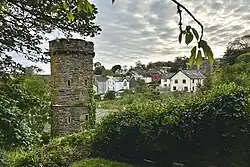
118 79
193 74
100 78
167 75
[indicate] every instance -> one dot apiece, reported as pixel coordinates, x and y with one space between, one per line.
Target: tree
100 70
179 63
116 67
24 109
141 85
24 23
159 64
236 48
239 73
97 64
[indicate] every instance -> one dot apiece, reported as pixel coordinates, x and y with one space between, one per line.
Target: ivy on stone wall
91 109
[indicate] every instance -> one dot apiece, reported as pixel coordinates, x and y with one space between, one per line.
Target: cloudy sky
147 30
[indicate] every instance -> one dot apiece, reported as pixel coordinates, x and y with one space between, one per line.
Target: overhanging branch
190 14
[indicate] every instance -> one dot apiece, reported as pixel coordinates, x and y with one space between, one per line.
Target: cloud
148 30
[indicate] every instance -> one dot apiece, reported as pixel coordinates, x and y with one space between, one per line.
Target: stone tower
72 76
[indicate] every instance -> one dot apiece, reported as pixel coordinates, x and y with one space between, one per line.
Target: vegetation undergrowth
59 152
195 132
98 162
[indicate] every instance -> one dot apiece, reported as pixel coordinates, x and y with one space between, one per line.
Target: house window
69 120
184 81
87 117
165 85
193 80
166 80
86 82
176 81
125 83
69 83
185 88
193 88
174 88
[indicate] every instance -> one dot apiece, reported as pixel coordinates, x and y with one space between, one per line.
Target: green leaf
89 8
70 16
203 44
65 5
189 38
80 5
193 56
199 59
53 8
207 51
180 37
195 33
4 6
211 58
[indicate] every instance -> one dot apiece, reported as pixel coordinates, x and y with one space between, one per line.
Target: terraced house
183 80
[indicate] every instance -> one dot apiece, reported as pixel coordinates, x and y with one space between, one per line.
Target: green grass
98 162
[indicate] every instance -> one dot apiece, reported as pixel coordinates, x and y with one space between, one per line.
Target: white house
117 83
145 77
165 80
184 80
100 83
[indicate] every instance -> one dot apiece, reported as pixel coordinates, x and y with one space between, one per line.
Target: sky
147 30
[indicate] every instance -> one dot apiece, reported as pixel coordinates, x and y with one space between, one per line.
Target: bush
60 152
109 95
211 128
2 159
98 162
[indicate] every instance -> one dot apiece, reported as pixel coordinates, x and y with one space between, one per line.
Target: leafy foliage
116 67
179 132
238 73
25 102
95 162
236 48
59 152
110 95
24 23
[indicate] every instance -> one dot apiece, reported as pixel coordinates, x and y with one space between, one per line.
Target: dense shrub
2 159
211 128
109 95
98 162
60 152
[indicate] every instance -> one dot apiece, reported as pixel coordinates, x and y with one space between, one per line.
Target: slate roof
193 74
167 75
100 78
119 79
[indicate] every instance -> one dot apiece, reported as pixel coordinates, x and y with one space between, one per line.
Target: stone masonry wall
71 78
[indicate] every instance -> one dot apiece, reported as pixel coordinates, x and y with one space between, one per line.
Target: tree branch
179 12
190 14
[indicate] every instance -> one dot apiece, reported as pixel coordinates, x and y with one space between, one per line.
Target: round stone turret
72 76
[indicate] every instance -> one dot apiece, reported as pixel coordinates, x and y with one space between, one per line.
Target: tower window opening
69 83
87 117
86 82
69 120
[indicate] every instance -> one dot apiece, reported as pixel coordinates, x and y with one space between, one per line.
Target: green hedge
60 152
209 129
98 162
